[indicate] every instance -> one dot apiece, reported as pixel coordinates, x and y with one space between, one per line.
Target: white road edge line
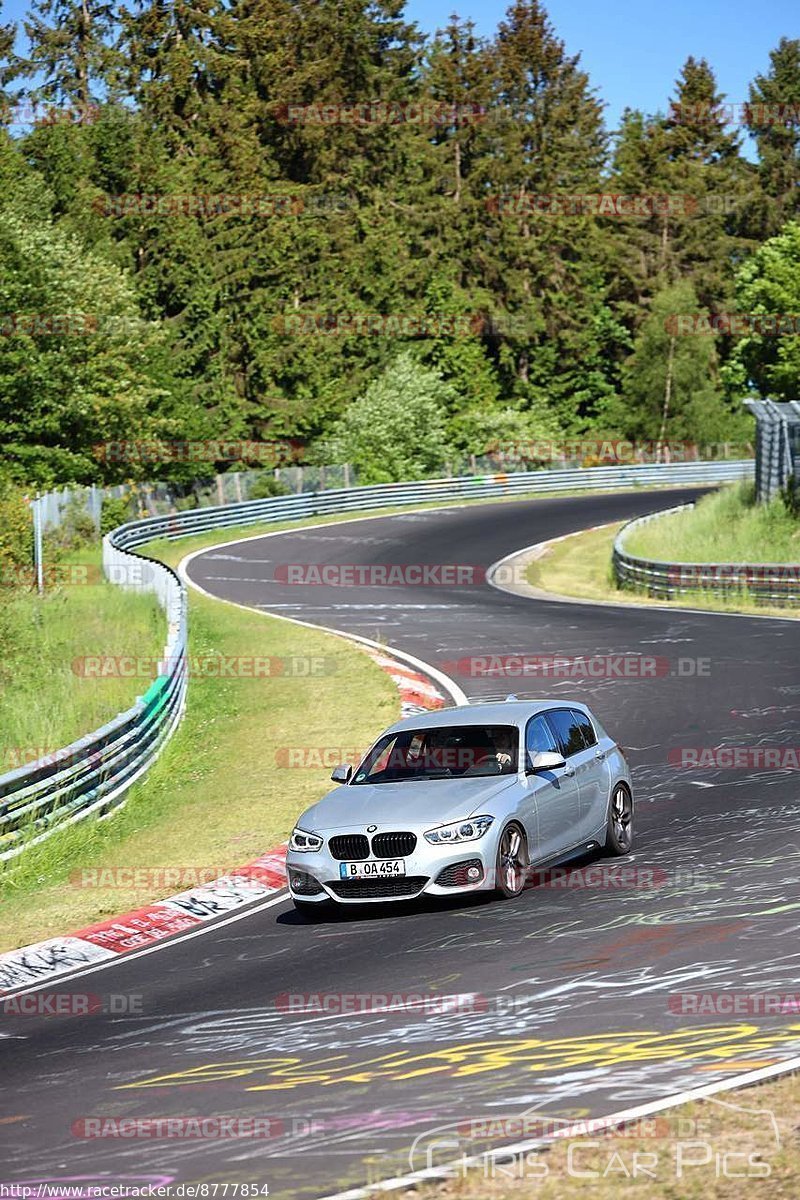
57 980
458 696
529 592
448 1169
624 1116
619 1118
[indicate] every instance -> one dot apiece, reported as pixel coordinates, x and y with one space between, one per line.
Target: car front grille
349 846
378 889
303 884
456 874
393 845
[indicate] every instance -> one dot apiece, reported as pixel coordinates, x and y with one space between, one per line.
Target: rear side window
585 726
567 730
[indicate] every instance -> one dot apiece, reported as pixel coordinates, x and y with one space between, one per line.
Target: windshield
456 751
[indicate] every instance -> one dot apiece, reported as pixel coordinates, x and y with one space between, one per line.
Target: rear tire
512 862
619 835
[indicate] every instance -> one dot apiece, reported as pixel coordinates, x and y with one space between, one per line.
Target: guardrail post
37 544
95 773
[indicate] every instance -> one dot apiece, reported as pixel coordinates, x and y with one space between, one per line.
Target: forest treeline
306 223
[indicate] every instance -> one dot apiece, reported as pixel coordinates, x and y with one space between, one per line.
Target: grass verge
217 797
733 1147
226 747
45 702
728 526
579 567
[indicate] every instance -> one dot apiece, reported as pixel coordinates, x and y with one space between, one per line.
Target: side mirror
342 773
545 760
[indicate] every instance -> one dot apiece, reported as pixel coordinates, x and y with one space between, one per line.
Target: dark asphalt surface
575 1016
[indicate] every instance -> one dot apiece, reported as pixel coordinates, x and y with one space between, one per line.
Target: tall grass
220 794
727 526
45 701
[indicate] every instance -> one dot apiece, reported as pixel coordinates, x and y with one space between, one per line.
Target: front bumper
430 870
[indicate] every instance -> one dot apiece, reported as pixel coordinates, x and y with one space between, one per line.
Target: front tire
619 835
512 862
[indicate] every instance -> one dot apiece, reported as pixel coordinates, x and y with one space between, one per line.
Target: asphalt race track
578 1007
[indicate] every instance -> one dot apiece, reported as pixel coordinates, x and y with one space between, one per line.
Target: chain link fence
153 499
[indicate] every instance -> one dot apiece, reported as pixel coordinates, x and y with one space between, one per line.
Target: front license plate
372 870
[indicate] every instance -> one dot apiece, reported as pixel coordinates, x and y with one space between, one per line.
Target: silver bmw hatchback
464 799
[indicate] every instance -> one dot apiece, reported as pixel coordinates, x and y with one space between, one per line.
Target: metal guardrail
390 495
768 583
93 774
777 445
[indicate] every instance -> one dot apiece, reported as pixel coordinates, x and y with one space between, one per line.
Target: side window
539 738
567 730
586 727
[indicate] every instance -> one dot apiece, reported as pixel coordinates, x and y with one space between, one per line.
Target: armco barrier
390 495
93 774
769 583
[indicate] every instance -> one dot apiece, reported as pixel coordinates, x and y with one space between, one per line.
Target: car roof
496 712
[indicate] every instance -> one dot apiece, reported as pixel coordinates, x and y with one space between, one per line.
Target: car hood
396 805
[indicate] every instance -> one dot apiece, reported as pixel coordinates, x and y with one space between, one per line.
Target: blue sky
633 49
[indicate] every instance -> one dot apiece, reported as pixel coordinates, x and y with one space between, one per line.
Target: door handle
569 771
599 755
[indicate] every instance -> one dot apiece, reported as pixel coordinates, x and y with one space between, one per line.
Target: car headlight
459 831
300 840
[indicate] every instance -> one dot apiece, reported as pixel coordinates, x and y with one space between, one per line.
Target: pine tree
539 266
671 381
692 167
7 36
707 170
774 120
69 55
174 58
641 245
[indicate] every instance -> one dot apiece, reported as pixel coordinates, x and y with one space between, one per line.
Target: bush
16 530
266 485
396 430
16 551
513 431
115 510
